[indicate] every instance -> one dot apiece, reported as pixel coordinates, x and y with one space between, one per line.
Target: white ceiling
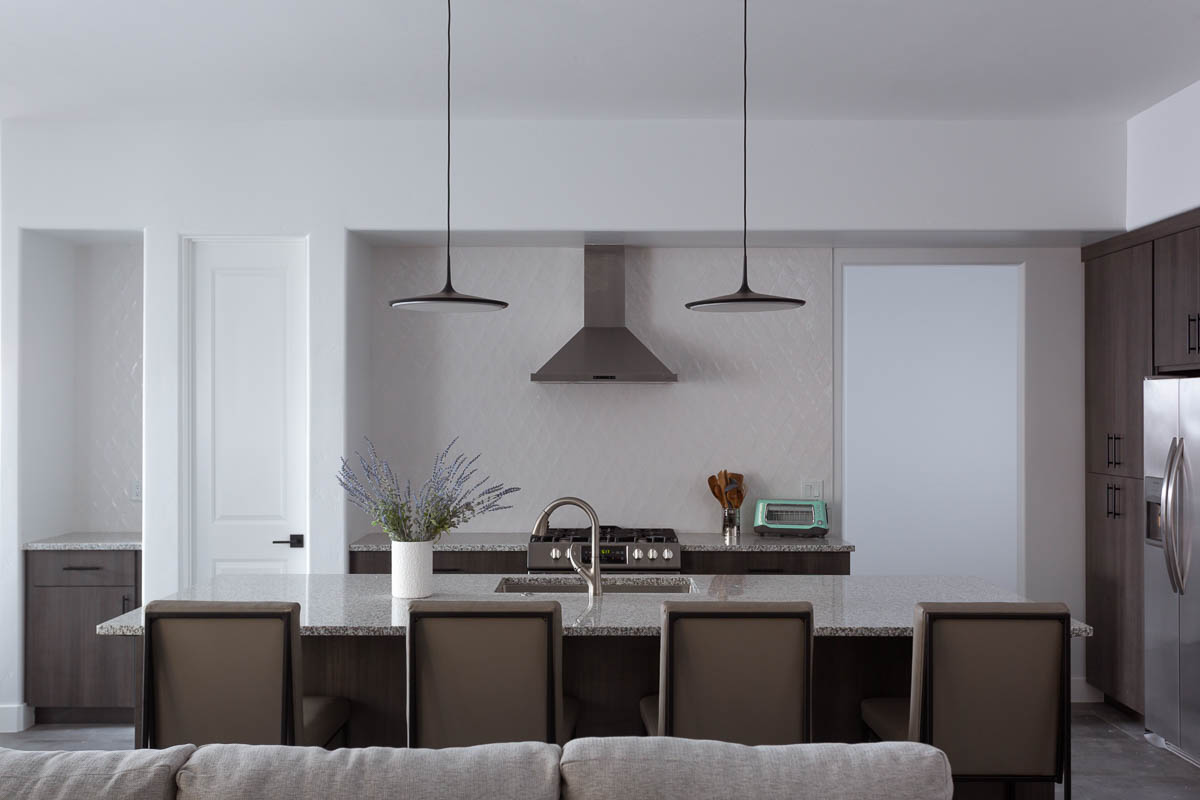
810 59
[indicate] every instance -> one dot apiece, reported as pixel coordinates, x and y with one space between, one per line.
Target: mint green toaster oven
807 518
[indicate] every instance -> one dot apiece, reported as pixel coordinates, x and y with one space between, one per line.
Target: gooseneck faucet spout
590 575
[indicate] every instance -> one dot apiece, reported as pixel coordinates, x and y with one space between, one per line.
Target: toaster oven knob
653 554
668 553
637 554
555 553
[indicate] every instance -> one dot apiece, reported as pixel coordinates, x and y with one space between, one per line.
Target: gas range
621 549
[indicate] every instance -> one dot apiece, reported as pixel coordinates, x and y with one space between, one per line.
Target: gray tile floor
1110 758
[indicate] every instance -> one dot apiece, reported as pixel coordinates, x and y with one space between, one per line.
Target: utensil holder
731 525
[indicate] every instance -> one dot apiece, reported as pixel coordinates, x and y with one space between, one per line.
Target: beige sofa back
585 769
519 771
667 768
119 775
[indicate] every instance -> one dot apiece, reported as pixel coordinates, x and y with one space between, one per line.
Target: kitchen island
353 633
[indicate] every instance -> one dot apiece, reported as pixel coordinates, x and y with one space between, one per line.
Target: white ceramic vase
412 569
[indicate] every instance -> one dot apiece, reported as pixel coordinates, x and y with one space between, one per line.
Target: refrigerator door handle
1166 507
1182 539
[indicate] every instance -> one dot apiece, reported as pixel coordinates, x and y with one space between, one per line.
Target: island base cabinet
71 673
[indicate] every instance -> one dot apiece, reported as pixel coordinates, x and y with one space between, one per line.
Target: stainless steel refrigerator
1172 599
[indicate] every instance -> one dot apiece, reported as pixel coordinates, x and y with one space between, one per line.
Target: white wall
1163 159
754 391
578 177
931 402
1054 437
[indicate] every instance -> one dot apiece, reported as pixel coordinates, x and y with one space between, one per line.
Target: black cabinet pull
1108 500
1116 502
1191 341
1108 450
1116 462
81 569
124 603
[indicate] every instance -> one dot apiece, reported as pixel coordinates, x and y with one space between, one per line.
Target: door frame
187 383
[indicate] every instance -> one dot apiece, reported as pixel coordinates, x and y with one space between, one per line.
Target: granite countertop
492 542
362 605
88 541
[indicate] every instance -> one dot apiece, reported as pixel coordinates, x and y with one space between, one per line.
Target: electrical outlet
135 491
812 490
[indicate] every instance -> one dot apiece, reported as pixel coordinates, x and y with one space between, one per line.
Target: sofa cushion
687 769
520 771
115 775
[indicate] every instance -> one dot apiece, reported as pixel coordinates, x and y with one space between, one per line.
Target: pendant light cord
449 287
745 84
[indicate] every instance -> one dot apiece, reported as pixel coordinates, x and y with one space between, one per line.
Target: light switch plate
135 491
812 490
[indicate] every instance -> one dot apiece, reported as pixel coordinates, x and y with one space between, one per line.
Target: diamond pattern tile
754 392
108 408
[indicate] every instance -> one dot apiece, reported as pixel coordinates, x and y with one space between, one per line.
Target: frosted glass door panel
931 403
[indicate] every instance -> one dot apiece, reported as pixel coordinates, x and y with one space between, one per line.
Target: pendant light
744 299
448 299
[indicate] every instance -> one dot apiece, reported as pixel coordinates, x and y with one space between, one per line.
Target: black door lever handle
295 540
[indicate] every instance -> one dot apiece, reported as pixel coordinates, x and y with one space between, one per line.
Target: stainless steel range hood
604 350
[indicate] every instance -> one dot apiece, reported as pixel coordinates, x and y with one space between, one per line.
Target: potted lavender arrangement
414 520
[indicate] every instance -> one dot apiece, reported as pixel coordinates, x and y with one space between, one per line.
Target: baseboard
1084 692
15 718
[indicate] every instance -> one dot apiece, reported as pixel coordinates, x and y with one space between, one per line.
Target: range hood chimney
604 350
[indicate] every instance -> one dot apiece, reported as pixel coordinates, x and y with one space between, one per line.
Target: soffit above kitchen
614 59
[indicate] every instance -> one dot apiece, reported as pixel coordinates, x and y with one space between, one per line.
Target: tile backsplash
754 392
108 409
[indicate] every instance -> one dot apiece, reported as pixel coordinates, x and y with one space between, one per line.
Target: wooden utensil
738 493
735 497
716 490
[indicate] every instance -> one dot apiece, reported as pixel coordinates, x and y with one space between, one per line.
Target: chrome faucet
590 576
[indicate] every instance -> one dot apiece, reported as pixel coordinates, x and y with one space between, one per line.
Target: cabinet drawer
81 567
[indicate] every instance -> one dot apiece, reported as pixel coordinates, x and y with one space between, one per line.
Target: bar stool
991 688
230 673
703 689
486 671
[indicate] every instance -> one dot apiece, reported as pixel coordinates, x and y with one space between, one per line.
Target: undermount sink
569 584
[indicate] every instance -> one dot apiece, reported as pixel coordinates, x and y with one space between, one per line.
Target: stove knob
637 554
668 553
555 553
653 554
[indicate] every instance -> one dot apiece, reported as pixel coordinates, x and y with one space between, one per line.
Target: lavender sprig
450 497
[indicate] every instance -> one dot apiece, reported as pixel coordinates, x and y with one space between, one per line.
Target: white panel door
931 426
250 406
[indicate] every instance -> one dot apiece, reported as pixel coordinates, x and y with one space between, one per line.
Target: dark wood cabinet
1117 346
474 562
71 674
1177 301
1115 529
692 562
